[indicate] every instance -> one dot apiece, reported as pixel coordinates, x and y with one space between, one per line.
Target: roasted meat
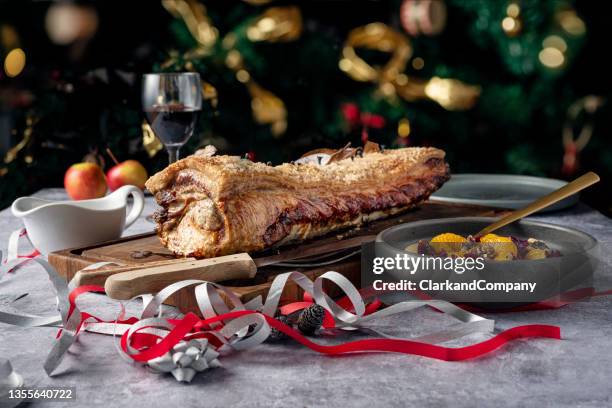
221 205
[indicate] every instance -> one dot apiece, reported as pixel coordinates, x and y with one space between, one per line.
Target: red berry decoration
372 120
351 113
250 155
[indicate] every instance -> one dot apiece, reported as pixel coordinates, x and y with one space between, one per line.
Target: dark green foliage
514 128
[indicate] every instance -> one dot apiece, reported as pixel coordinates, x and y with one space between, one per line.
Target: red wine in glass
172 124
171 102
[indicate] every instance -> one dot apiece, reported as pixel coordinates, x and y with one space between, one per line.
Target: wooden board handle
99 276
126 285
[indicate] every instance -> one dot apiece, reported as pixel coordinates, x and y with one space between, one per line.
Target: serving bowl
553 276
55 225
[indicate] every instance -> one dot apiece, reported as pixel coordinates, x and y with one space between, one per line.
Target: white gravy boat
55 225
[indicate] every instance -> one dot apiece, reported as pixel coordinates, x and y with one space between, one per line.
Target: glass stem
173 153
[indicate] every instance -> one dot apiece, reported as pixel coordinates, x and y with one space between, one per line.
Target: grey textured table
576 371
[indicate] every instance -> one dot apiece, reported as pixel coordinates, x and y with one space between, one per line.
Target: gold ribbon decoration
451 94
13 152
276 24
150 142
193 14
380 37
268 109
210 94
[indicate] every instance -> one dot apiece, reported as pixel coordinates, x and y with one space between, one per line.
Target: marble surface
576 371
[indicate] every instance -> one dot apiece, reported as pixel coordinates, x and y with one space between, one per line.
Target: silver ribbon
190 357
68 323
12 259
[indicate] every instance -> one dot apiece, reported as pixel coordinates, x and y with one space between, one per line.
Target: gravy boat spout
55 225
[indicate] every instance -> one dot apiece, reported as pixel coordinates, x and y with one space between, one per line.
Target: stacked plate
500 190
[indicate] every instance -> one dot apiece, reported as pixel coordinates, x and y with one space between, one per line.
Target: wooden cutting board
130 251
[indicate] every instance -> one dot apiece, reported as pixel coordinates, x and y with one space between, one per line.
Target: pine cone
311 319
275 334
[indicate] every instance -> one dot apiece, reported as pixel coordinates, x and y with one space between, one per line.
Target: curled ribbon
449 93
191 344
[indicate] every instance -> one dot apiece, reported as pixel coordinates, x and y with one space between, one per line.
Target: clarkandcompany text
429 285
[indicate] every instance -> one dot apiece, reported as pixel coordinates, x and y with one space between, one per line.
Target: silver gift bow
189 357
9 380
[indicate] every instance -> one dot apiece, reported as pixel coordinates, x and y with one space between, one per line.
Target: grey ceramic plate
573 269
500 190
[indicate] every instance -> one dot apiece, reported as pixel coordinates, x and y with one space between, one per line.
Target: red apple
84 181
126 173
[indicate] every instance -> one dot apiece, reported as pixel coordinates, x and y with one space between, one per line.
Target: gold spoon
569 189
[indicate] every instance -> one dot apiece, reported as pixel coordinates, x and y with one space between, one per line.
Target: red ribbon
151 346
156 349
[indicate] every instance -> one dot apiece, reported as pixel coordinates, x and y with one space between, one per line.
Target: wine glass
171 102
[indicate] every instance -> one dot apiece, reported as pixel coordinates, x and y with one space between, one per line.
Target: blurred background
519 86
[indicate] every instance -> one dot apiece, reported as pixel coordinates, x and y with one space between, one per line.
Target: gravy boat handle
138 205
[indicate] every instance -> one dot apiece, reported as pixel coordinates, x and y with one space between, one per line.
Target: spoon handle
569 189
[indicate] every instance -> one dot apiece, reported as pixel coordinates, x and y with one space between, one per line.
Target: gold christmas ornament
9 38
553 51
512 24
551 57
15 59
233 59
403 128
418 63
555 41
513 10
553 54
14 62
571 23
243 76
451 94
150 142
276 24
